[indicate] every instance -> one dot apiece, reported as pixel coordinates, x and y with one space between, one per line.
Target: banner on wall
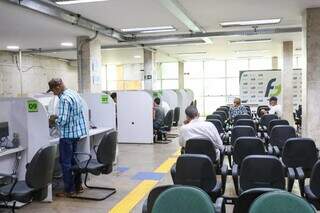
256 86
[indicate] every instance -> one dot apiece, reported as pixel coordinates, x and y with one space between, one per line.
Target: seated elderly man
194 128
237 109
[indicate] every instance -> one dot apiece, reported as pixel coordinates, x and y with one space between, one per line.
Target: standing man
72 125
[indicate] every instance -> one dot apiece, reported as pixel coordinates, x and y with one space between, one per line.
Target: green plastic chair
183 199
281 202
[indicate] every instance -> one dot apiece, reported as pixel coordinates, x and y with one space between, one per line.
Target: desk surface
92 132
11 151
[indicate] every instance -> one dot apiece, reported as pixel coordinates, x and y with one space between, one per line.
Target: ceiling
31 30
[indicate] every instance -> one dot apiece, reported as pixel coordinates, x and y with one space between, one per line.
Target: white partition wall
135 117
171 97
190 96
182 103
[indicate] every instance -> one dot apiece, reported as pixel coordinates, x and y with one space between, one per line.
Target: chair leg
290 184
13 207
111 191
301 186
236 184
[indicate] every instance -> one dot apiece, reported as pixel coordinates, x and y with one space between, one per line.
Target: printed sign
32 106
104 99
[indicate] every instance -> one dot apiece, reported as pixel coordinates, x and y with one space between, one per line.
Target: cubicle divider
182 103
171 97
135 117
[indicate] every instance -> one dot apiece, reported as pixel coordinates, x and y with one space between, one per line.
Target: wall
37 71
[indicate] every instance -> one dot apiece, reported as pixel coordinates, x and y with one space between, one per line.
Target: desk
12 151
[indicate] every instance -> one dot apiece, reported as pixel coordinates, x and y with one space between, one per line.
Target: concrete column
181 75
89 65
149 65
275 63
287 82
311 74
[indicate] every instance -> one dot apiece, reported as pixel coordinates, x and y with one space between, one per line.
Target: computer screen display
4 129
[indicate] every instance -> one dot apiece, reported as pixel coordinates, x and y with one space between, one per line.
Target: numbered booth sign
104 99
32 106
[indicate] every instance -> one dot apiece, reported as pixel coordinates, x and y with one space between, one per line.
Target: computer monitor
4 129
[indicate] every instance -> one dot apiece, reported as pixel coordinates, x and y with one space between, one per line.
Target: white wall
39 70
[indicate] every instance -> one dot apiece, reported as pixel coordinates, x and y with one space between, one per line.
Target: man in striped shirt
72 125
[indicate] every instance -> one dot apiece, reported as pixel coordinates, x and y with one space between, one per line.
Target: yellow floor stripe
137 194
133 198
166 166
177 153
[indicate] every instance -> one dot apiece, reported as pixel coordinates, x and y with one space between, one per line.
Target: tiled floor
138 158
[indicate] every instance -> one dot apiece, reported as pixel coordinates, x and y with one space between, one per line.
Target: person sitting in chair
237 109
158 114
194 128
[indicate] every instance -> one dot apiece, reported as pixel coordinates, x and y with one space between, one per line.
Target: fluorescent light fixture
137 56
67 44
13 47
247 41
193 53
251 51
65 2
251 23
149 29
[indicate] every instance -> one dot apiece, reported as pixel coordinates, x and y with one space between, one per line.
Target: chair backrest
315 179
276 122
106 152
245 146
248 109
225 109
241 116
40 170
176 113
203 147
280 134
265 119
223 114
242 131
195 170
215 116
246 198
168 119
154 194
294 153
265 107
261 171
245 122
217 123
280 202
183 199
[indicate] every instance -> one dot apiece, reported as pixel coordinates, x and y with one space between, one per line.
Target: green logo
32 106
276 91
104 99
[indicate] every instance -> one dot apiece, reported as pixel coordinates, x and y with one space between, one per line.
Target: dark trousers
67 147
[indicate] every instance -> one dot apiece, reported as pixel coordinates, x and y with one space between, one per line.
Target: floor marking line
142 189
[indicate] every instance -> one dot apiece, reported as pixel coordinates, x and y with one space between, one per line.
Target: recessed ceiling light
251 23
137 56
64 2
66 44
13 47
251 41
149 29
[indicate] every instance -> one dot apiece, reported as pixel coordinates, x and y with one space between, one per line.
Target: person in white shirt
194 128
275 108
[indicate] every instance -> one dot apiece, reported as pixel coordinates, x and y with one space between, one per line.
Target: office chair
103 164
245 122
242 116
176 116
223 135
39 173
226 110
198 170
312 191
281 202
264 122
168 120
300 154
276 122
243 147
223 114
278 136
186 199
260 108
216 117
248 109
261 171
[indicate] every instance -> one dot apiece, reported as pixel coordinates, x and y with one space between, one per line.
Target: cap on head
53 83
192 112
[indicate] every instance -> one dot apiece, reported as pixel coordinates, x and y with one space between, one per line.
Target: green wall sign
104 99
32 106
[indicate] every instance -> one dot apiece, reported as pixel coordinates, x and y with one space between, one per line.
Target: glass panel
170 70
214 69
132 72
214 87
157 85
212 103
111 72
196 85
260 63
112 85
170 84
132 85
193 70
233 86
234 66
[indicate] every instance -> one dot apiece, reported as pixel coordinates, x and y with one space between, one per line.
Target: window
260 63
167 76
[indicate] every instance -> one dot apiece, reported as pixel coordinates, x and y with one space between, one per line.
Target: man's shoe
65 194
80 190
